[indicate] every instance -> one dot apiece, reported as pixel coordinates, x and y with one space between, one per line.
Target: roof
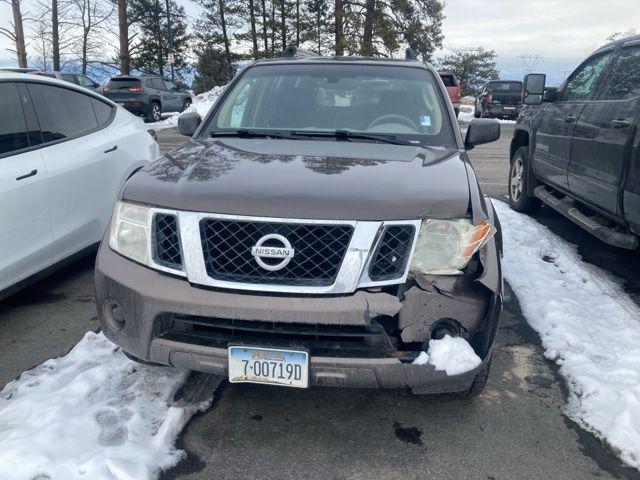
622 41
22 77
353 60
135 77
18 69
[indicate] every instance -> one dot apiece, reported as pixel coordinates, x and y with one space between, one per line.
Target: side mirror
188 123
482 130
551 94
534 88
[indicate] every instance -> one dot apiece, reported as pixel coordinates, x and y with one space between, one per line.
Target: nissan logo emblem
273 246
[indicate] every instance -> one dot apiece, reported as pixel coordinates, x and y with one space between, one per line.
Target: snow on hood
202 103
92 414
588 325
451 354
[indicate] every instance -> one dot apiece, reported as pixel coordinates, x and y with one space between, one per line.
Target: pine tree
153 37
473 68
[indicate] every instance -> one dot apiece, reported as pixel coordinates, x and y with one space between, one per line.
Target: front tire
520 183
187 103
479 382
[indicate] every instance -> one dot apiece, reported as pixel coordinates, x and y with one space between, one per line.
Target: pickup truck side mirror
534 88
551 94
482 130
188 123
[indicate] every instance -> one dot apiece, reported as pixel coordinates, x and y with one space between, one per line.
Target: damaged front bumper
164 319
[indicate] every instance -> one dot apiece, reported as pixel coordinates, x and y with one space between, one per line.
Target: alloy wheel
516 182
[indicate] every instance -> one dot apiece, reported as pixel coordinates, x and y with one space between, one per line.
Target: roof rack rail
294 51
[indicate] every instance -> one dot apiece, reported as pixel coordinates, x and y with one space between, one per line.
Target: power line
529 62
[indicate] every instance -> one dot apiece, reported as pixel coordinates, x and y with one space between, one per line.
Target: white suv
64 154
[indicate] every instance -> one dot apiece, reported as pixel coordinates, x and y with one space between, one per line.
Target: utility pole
529 62
170 58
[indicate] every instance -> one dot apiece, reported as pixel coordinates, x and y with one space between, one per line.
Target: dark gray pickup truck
576 148
499 99
323 226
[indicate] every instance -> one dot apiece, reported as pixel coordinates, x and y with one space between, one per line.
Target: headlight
130 231
444 247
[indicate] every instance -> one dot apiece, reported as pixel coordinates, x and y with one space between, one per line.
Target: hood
306 179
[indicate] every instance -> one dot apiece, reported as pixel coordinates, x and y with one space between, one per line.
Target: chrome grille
166 241
393 251
319 251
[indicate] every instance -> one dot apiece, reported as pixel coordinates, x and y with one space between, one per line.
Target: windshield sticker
425 120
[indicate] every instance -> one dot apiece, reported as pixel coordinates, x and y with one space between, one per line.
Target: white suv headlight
130 231
444 247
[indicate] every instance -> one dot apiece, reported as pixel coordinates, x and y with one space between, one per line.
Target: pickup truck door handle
112 149
569 119
620 123
27 175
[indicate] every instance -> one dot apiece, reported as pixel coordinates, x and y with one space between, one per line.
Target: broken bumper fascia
145 294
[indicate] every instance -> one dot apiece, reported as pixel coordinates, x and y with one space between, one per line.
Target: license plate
509 108
272 366
121 104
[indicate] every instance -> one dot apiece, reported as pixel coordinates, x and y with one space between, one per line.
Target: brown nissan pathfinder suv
323 226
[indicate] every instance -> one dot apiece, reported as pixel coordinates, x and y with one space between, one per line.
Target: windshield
402 102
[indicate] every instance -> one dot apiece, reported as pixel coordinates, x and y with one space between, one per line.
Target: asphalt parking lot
515 430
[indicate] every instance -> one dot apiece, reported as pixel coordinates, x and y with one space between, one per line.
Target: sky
560 32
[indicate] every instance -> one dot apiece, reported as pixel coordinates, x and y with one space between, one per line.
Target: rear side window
156 83
13 128
449 80
624 80
123 83
69 77
102 110
62 113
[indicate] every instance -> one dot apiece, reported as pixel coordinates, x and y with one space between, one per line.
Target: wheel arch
156 100
520 139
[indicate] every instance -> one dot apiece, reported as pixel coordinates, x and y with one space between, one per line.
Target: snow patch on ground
92 414
451 354
588 325
201 105
467 112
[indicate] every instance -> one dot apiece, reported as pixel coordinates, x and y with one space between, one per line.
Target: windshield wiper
246 133
348 135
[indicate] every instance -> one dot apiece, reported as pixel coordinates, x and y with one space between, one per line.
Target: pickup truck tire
187 103
520 182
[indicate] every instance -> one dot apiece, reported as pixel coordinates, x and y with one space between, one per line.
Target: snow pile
451 354
92 414
588 326
201 105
